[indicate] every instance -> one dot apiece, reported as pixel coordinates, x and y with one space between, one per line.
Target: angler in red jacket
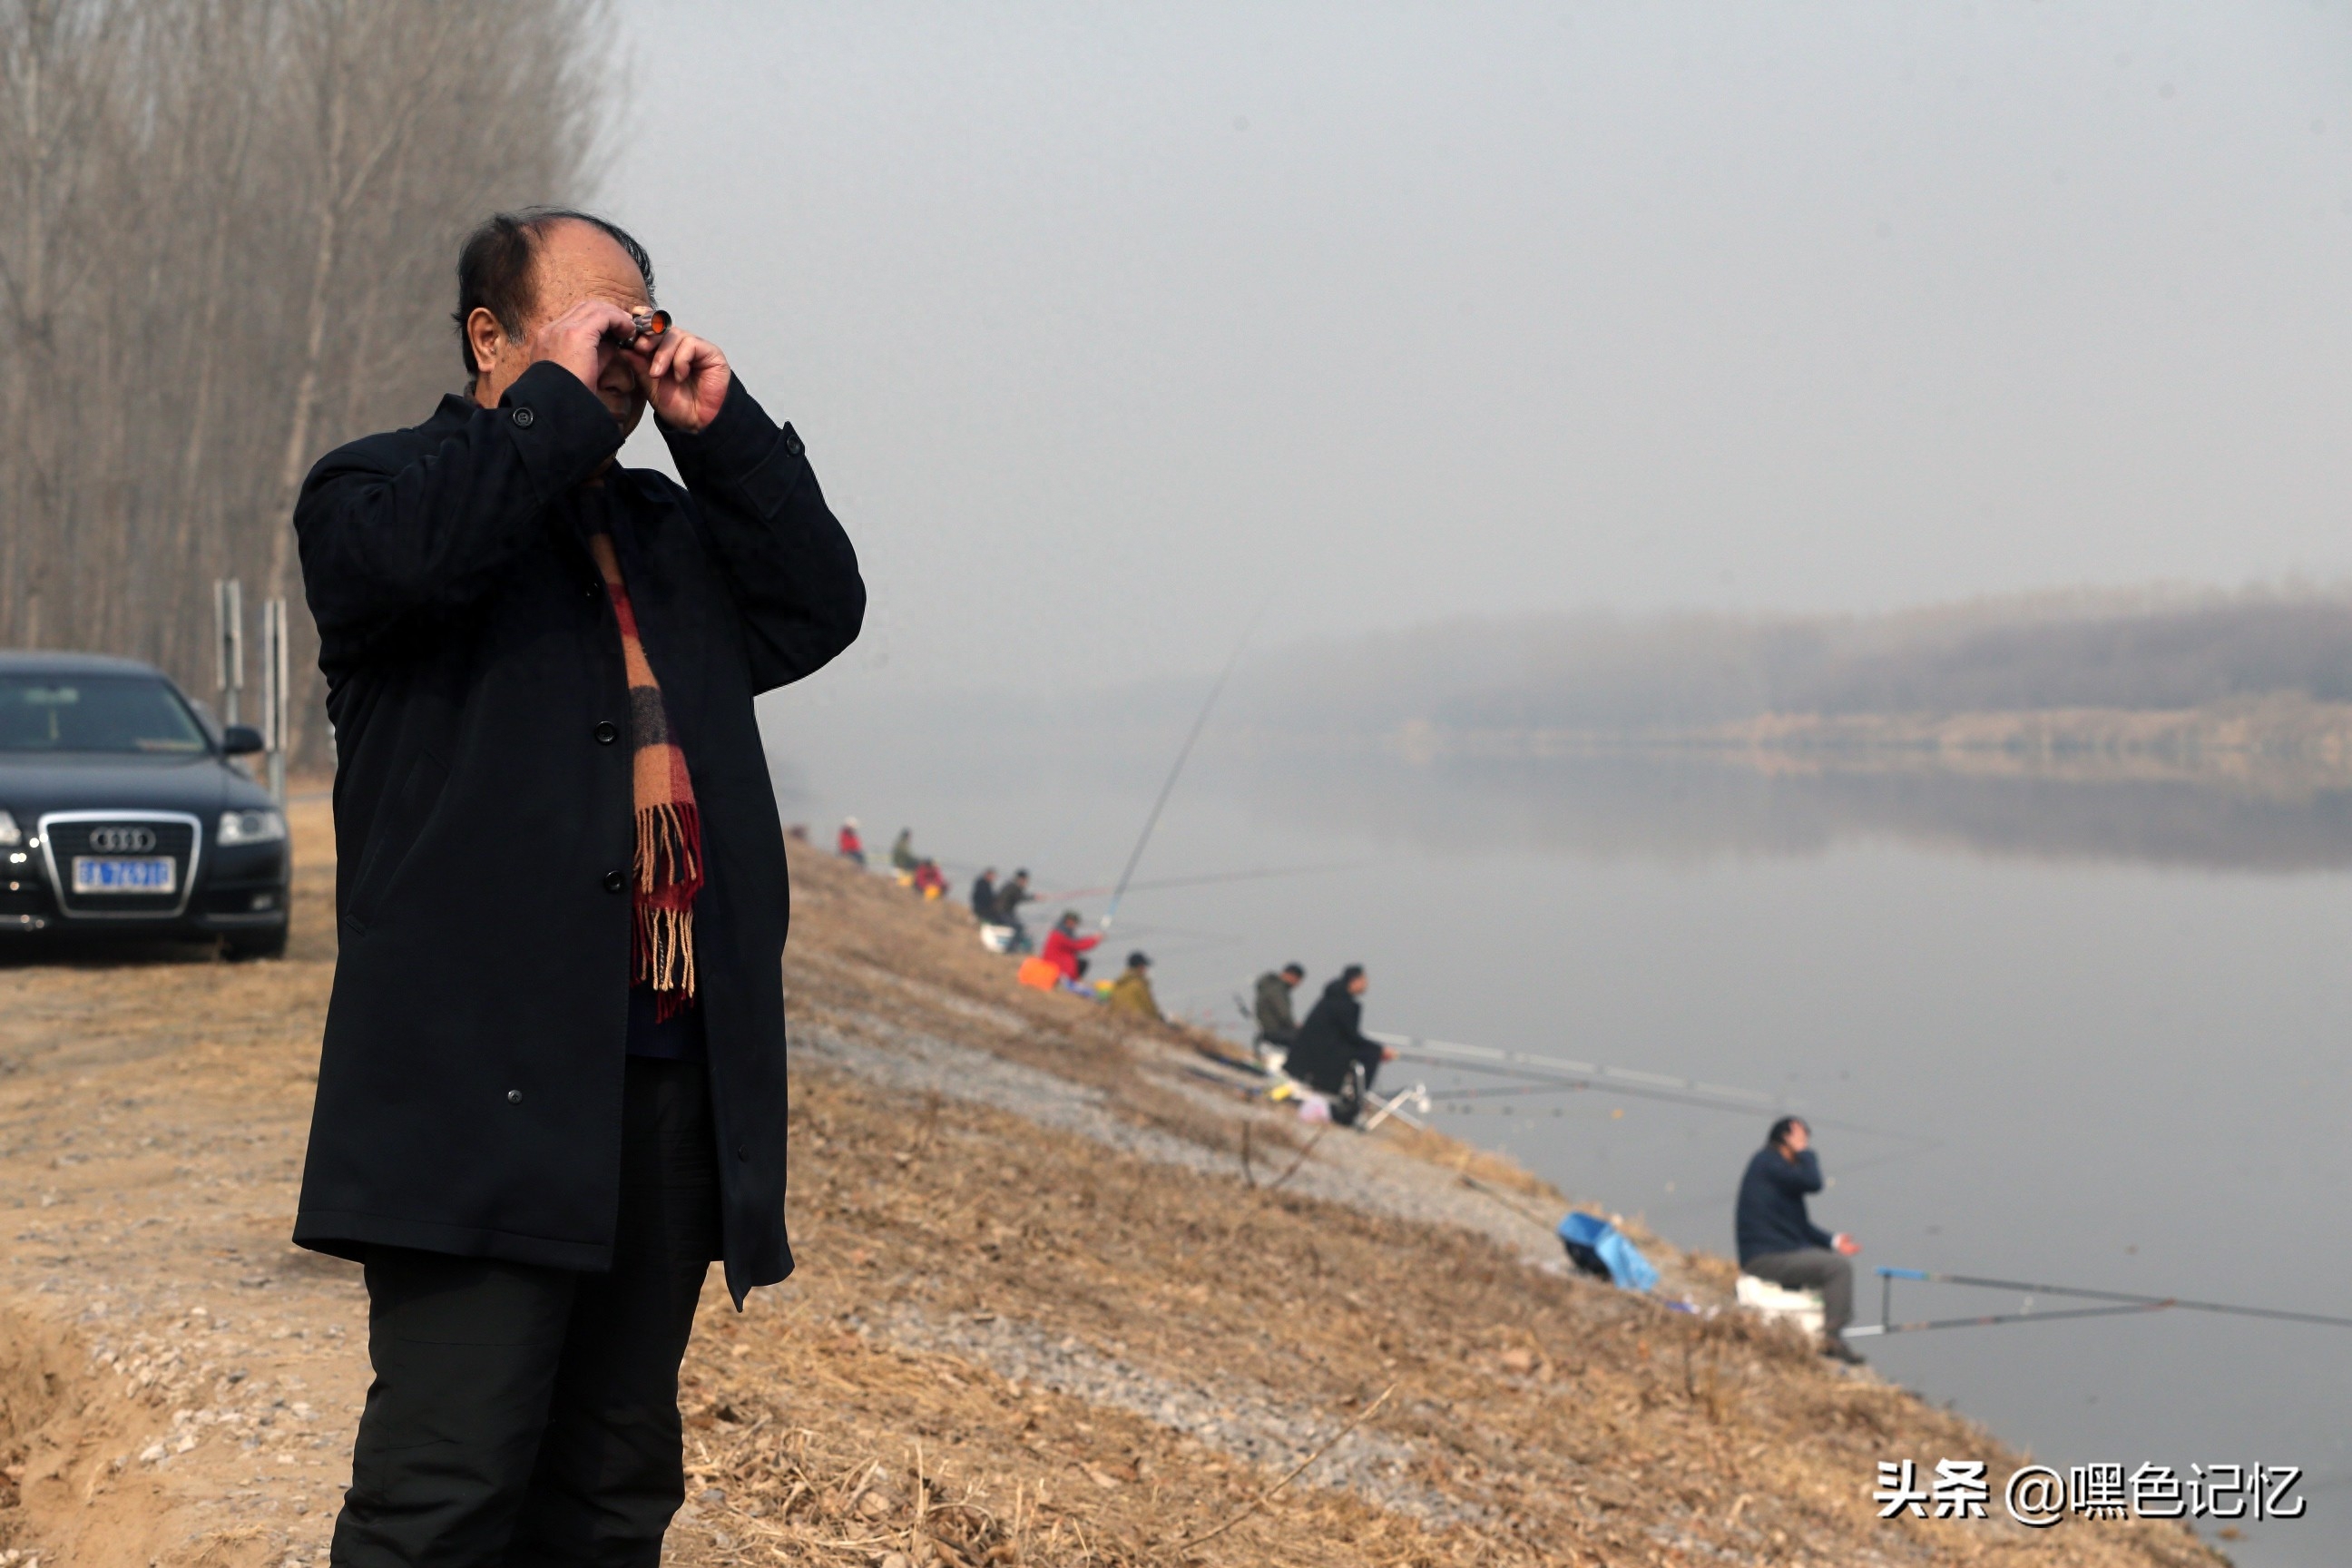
1063 944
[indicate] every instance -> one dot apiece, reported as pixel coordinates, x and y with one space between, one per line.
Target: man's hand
1845 1244
686 381
576 340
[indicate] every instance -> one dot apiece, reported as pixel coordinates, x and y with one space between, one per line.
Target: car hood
99 781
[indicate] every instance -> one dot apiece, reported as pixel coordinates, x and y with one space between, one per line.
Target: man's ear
485 337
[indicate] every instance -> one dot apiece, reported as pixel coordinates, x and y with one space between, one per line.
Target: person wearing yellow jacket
1131 991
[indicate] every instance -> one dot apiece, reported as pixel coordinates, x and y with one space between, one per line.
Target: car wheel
260 944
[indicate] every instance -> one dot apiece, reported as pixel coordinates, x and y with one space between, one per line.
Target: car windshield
95 713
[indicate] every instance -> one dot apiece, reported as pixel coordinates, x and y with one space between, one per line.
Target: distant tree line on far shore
1614 674
227 233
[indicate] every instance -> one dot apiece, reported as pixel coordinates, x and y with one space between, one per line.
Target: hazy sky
1103 322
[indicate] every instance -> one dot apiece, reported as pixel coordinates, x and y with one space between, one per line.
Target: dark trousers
1813 1268
528 1416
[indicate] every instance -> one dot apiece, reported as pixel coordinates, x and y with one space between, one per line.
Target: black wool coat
469 1084
1332 1036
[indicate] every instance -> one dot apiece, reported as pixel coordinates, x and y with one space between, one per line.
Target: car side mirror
240 741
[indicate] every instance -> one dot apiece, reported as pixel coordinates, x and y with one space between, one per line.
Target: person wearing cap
1131 991
1334 1056
1277 1026
1064 947
1009 899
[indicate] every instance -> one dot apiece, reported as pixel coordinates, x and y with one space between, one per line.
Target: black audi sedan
122 816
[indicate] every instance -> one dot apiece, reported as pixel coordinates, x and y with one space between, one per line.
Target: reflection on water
1696 804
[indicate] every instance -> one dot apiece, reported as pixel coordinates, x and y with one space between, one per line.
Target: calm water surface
2081 1034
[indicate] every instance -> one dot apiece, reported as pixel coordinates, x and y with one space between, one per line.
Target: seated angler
1333 1054
1779 1241
1131 991
1277 1026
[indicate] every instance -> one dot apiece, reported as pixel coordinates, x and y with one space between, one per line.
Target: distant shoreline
2270 742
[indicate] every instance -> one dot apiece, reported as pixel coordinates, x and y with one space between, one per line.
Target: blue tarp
1591 1233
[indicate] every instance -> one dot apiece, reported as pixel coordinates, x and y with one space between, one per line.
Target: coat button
614 881
522 418
589 590
793 442
606 733
514 1096
743 1152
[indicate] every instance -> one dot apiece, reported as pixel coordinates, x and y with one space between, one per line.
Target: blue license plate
110 874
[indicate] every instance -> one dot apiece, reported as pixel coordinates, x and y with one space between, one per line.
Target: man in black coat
1779 1241
1333 1054
552 1089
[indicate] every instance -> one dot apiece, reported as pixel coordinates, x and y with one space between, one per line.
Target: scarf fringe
668 876
662 944
669 848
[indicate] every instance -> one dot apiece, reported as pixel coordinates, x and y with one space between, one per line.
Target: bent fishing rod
1168 787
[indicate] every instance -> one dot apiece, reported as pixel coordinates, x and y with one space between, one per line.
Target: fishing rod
1167 788
1493 1092
1571 1075
1157 883
1887 1276
1869 1331
1574 1075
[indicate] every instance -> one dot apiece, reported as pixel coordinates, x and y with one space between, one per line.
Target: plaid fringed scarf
669 870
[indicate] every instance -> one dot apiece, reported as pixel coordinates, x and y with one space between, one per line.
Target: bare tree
225 234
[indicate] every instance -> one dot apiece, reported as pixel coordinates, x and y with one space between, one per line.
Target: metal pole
275 714
229 615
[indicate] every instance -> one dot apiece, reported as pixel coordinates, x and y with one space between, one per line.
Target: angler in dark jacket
1010 896
1277 1025
983 897
1777 1239
1332 1042
552 1088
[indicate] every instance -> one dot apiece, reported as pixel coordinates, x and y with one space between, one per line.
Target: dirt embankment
1060 1302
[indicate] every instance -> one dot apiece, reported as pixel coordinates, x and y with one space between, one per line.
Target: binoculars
647 325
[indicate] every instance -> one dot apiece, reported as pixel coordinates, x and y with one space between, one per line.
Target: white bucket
1802 1308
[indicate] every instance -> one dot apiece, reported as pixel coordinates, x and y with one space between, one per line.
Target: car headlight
250 828
10 834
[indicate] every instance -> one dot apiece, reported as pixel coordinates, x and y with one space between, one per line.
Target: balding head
521 270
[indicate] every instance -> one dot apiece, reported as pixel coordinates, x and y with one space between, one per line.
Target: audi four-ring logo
116 840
